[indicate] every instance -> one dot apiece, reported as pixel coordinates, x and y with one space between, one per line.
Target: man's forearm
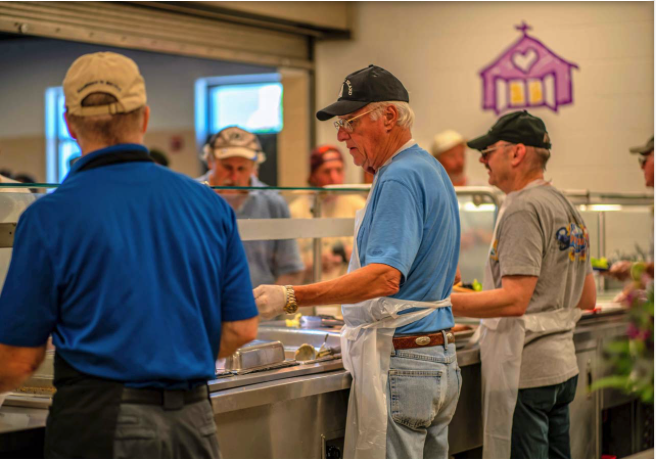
511 300
483 305
17 365
235 334
372 281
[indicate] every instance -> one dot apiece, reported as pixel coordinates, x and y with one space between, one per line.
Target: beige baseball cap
446 140
105 72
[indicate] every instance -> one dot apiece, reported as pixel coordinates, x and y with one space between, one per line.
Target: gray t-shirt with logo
542 234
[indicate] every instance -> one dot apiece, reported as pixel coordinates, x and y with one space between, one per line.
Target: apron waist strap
428 340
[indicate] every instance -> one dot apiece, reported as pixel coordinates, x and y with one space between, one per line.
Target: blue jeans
423 390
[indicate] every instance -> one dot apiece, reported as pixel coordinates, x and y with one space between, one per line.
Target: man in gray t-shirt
538 275
542 235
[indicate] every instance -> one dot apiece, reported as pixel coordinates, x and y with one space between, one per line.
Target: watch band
291 306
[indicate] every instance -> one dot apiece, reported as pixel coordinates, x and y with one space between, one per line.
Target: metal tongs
327 350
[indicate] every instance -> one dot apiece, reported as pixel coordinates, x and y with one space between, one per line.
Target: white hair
406 115
543 156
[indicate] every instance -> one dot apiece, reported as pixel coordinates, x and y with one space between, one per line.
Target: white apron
366 341
501 345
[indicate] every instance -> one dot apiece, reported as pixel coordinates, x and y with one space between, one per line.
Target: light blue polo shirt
412 223
132 268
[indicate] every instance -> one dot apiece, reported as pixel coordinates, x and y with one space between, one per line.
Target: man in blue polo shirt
395 298
138 308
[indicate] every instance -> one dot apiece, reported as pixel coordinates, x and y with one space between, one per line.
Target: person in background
449 149
395 297
327 168
11 207
159 157
232 156
138 307
646 153
621 270
538 278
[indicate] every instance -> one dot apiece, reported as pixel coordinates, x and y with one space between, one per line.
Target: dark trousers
93 418
541 422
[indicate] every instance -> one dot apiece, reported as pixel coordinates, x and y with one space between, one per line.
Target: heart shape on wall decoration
526 60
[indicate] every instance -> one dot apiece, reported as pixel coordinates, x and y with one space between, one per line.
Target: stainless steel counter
14 419
257 411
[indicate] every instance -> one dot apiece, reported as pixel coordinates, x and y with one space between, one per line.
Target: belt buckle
173 400
422 341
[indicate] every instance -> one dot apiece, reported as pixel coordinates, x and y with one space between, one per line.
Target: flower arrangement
633 359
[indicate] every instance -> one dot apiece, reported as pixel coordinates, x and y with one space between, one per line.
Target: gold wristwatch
291 306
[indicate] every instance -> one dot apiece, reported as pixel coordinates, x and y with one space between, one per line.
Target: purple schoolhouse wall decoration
528 74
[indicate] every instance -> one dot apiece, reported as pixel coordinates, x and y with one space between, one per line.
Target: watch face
291 308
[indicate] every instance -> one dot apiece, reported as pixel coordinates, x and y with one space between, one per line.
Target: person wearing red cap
326 169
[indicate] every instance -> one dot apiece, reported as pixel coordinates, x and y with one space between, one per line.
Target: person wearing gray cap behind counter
621 269
395 297
646 153
538 278
233 156
137 305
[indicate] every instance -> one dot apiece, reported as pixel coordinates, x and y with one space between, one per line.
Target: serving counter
300 411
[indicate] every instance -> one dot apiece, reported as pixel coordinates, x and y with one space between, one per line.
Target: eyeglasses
346 124
488 151
643 158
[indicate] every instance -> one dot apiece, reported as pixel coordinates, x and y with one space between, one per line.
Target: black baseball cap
371 84
643 149
516 127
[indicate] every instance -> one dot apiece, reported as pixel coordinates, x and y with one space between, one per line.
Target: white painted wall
437 49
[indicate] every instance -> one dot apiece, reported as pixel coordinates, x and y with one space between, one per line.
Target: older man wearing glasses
538 278
395 297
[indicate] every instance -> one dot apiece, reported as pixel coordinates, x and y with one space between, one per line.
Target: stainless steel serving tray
256 354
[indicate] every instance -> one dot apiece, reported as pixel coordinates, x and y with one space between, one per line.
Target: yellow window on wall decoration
535 93
517 92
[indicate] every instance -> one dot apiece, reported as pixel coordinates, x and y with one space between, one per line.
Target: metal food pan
255 354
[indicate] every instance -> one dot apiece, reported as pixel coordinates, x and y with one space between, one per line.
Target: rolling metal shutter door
132 26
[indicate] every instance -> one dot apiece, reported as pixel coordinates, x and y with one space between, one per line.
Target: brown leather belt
428 340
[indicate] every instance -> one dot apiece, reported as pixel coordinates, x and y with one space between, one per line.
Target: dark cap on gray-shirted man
517 127
371 84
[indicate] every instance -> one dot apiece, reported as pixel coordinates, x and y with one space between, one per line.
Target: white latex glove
270 300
